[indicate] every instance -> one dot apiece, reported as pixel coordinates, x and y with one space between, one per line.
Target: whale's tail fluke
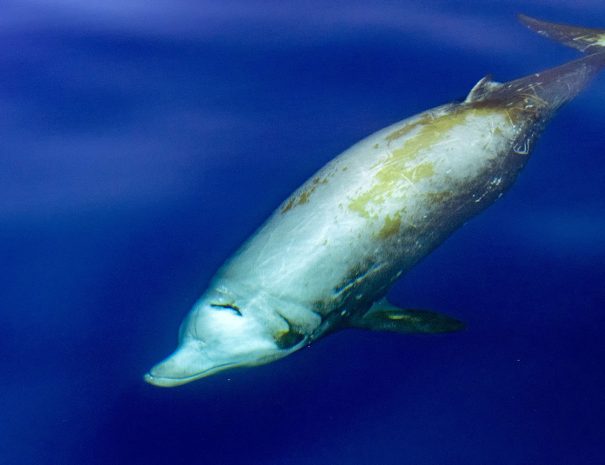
584 39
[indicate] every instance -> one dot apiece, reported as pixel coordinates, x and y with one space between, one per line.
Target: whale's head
219 334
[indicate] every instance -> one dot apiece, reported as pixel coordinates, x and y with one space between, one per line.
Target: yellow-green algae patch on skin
419 172
398 133
391 226
439 197
305 195
591 39
430 131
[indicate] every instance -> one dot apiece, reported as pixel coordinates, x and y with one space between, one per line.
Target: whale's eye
233 307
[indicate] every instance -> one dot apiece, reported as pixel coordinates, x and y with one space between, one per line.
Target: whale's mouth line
169 381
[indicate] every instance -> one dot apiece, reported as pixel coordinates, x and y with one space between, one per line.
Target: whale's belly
379 207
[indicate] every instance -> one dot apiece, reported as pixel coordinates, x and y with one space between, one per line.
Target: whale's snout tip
186 364
161 381
150 379
157 377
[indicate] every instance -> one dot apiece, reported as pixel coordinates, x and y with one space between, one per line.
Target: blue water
142 142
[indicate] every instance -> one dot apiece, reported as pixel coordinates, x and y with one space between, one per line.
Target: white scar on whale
327 256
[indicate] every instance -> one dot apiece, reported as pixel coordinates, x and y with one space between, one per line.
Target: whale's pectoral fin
383 316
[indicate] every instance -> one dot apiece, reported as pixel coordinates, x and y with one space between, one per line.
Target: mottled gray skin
356 280
333 249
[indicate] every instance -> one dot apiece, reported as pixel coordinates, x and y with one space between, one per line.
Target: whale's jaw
195 359
186 364
167 381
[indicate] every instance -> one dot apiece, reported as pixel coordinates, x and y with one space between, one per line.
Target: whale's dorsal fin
383 316
482 89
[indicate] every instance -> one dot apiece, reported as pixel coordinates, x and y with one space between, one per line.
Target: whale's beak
186 364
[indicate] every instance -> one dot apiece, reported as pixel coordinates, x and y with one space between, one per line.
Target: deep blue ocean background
143 141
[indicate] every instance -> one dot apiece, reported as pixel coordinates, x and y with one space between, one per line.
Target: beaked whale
327 256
